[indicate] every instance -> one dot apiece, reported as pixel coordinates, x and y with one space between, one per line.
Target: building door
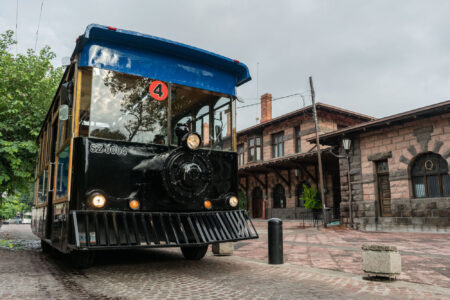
257 202
279 197
384 188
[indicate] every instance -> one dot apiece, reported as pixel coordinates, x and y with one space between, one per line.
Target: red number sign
158 90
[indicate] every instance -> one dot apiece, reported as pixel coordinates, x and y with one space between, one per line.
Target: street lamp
346 143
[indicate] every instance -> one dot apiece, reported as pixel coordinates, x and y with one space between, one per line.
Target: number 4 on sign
158 90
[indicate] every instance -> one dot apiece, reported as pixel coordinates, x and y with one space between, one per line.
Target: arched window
279 198
299 193
430 178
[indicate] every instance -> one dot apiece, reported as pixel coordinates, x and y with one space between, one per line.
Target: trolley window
122 109
203 112
62 173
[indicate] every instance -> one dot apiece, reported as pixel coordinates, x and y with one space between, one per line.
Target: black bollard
275 233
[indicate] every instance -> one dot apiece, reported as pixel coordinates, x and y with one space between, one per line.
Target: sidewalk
165 274
425 257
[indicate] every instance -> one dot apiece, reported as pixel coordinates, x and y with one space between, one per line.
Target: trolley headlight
192 140
98 200
233 201
207 204
134 204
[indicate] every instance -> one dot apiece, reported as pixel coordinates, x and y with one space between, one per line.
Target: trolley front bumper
121 230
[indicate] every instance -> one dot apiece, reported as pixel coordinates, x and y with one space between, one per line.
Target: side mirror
64 112
67 93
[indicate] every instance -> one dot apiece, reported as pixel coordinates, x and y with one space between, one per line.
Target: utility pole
319 159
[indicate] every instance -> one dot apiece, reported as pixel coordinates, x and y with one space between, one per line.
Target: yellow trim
61 200
55 115
41 205
77 105
74 100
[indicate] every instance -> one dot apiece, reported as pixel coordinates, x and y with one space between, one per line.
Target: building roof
291 161
333 138
307 109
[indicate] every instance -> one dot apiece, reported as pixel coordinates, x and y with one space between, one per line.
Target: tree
19 202
243 201
27 85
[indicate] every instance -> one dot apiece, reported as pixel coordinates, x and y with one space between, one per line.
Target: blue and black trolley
138 149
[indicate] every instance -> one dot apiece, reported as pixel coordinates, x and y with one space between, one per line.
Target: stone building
276 159
399 175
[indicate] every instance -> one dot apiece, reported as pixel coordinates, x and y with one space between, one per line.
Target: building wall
291 211
327 122
400 145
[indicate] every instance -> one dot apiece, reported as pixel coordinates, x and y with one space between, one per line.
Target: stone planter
381 261
223 249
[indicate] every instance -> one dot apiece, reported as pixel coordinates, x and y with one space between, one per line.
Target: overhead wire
39 23
302 95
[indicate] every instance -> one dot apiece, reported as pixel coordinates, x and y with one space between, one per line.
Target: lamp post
346 143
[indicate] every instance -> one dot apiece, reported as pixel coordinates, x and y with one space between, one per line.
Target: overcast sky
373 57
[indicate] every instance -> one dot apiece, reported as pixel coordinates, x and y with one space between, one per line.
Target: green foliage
6 244
310 198
27 86
19 202
243 201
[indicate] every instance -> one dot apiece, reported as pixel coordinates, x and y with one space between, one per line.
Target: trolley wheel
82 259
194 253
46 248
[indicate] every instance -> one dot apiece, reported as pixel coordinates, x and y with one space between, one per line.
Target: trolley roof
153 57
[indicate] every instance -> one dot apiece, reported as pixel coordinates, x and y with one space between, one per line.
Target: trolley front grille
118 229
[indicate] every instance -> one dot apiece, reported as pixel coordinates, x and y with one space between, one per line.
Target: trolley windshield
118 106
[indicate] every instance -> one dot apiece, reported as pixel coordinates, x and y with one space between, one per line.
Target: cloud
374 57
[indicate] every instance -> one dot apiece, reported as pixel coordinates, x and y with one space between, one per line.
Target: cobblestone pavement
164 274
425 256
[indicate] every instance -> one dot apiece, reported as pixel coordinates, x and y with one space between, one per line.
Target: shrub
310 198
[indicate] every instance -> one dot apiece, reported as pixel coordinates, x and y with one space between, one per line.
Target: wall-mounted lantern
346 143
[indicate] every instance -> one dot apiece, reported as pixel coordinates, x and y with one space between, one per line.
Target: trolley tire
82 259
194 253
46 248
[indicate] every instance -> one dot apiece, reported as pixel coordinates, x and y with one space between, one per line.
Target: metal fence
311 218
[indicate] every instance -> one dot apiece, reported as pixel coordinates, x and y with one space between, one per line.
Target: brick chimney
266 107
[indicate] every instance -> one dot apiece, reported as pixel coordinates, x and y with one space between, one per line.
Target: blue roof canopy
157 58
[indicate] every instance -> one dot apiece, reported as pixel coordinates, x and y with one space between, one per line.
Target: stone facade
399 145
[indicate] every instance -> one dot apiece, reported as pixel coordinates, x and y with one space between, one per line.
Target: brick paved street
164 274
425 257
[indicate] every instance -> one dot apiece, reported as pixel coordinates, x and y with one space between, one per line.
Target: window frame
255 147
277 140
298 139
240 152
426 174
